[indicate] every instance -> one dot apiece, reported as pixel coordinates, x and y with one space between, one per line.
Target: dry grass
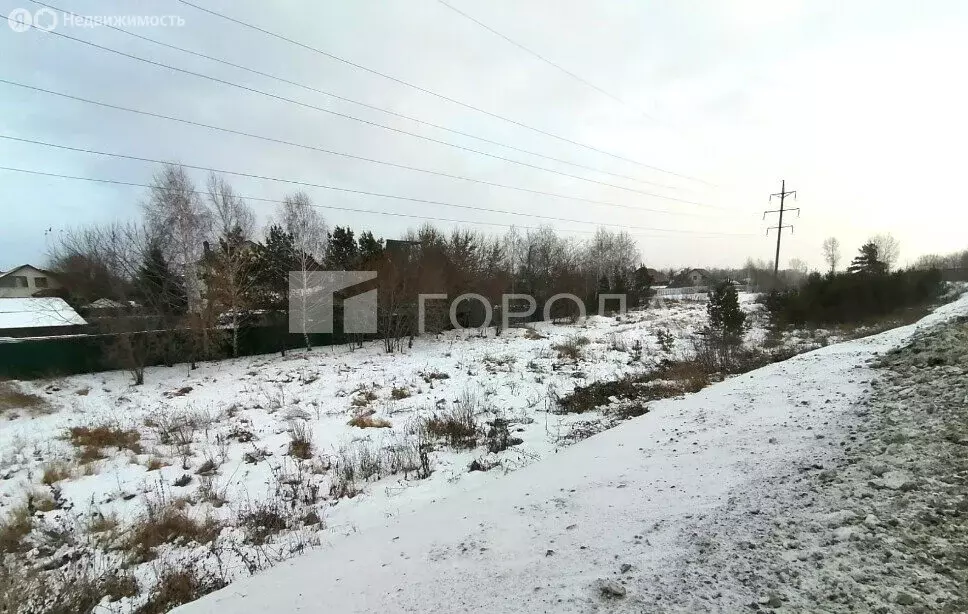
400 393
12 398
300 440
167 524
364 398
430 376
104 436
369 422
154 463
78 588
263 520
458 426
56 472
532 334
90 454
41 501
14 528
100 523
690 373
180 586
673 379
571 348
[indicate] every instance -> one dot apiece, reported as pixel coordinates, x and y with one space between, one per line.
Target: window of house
40 282
14 281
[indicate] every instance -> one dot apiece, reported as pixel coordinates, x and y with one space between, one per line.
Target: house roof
25 266
37 313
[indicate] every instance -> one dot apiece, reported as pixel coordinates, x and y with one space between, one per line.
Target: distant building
26 281
38 317
690 278
658 277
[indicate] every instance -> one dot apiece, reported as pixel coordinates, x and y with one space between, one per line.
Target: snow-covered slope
606 519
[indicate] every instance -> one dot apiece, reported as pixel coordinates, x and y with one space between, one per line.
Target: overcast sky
859 105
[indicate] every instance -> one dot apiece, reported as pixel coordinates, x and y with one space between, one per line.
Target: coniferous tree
867 261
642 286
158 288
370 249
724 333
273 261
726 318
342 251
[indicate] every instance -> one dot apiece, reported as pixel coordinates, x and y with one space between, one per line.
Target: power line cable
439 95
342 98
333 188
351 117
316 185
534 53
371 211
308 147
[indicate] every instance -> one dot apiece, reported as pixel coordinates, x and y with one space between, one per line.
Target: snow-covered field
656 514
215 442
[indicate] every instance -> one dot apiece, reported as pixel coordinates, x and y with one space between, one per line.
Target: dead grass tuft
672 379
104 436
430 376
56 472
14 529
101 523
164 524
570 349
300 440
41 501
154 463
90 454
369 422
11 397
532 334
457 426
177 587
263 520
364 398
400 393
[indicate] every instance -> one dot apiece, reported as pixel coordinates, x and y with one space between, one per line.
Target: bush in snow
300 440
457 426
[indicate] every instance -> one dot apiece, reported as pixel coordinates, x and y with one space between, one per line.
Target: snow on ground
613 523
221 432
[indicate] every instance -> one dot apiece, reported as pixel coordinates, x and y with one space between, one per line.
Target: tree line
196 269
867 290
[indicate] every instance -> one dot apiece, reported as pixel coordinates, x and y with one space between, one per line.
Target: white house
25 281
691 278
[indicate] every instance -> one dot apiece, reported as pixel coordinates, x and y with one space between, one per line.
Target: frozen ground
834 481
215 442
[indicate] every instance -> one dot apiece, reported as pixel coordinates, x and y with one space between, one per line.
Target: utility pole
779 227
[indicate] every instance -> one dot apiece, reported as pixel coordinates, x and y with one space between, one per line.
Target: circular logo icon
45 19
20 20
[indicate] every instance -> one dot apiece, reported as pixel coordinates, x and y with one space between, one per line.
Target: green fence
69 355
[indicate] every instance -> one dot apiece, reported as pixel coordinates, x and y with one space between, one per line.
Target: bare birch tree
229 266
308 230
175 213
831 253
888 249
